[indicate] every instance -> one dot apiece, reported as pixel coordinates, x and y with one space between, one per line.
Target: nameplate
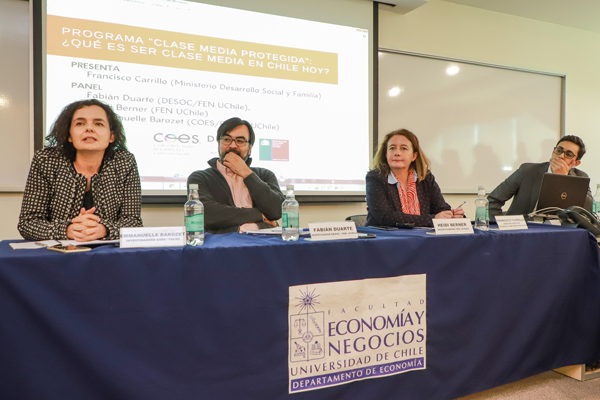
511 222
170 236
452 226
332 230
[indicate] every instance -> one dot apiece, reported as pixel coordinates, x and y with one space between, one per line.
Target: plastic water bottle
482 212
290 219
194 217
597 200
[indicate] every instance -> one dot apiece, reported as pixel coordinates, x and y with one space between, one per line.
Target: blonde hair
421 163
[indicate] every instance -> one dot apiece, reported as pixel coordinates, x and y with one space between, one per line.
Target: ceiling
580 14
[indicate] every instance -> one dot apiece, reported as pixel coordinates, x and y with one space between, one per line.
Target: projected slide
174 70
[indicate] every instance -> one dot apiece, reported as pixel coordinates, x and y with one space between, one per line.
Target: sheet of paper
33 245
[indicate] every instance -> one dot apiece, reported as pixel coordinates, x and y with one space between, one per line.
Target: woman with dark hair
401 188
84 184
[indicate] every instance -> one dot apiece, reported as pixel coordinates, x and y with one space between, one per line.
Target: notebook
562 191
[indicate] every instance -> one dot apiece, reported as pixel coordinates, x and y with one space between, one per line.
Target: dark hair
233 123
61 129
574 139
421 163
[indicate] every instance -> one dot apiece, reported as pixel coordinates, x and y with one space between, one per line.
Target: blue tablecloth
211 322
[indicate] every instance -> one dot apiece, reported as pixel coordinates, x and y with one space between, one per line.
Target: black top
88 200
384 207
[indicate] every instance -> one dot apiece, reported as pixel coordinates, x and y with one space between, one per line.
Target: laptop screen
562 191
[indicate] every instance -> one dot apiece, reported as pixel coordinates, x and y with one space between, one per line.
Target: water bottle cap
289 187
480 188
193 186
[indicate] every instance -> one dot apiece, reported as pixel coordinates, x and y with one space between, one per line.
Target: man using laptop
237 197
524 184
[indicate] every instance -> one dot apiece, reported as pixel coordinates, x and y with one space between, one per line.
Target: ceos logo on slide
171 138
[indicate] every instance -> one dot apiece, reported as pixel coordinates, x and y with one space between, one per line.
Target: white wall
14 107
15 151
456 31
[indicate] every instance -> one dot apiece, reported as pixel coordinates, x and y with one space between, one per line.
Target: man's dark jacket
524 185
220 212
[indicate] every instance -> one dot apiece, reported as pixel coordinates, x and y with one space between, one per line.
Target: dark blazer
524 185
54 195
221 215
383 201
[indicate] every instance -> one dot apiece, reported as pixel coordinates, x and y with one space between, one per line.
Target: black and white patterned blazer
54 195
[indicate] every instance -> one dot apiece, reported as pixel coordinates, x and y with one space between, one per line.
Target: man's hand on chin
236 164
559 166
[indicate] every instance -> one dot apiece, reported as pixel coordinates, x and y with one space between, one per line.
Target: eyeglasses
240 141
568 154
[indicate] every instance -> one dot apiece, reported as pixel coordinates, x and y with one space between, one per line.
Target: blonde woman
401 188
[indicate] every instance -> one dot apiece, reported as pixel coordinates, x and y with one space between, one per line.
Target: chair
359 220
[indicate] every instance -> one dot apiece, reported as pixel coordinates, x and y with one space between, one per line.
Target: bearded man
236 197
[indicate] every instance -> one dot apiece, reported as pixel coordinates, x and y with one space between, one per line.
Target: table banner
340 332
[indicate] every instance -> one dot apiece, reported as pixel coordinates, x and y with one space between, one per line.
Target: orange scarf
409 199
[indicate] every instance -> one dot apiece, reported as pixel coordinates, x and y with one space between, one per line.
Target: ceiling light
395 91
452 70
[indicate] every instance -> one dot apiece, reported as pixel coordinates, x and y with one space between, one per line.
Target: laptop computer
562 191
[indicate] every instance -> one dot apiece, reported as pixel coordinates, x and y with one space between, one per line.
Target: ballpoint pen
462 204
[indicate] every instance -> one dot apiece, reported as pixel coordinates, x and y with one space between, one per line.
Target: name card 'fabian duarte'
332 230
341 332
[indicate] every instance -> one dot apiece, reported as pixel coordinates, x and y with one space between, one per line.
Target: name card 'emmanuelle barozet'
173 236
